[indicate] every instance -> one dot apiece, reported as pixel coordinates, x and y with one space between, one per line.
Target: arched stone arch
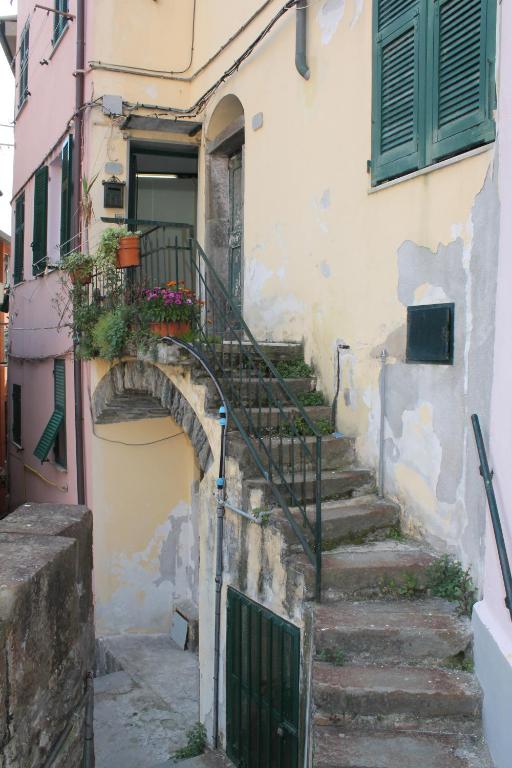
134 390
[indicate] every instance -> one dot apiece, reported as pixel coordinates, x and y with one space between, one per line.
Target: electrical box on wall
113 193
430 332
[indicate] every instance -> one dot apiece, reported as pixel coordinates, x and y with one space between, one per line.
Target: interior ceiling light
156 175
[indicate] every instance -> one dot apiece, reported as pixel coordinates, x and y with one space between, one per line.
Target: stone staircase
388 686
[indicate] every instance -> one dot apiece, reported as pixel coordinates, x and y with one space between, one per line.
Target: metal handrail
487 475
266 412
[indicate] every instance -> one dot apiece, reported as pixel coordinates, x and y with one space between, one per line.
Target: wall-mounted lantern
113 193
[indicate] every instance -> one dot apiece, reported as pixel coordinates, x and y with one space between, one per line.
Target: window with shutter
16 414
462 76
65 196
40 220
54 435
433 81
19 238
59 383
23 69
59 22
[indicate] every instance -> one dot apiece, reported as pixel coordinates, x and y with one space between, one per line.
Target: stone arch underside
135 390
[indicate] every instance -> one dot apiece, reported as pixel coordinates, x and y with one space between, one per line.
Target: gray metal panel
166 125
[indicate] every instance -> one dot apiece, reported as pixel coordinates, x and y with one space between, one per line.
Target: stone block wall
46 636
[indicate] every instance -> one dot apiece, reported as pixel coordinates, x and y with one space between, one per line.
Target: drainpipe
383 362
301 34
77 175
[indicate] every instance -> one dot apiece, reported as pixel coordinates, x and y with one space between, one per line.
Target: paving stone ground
143 712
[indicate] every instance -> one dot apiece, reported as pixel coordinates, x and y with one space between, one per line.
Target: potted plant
118 248
79 267
171 309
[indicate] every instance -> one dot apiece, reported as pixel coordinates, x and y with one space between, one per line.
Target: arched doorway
149 452
225 140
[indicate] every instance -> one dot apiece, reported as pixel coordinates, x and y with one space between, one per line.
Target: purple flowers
171 302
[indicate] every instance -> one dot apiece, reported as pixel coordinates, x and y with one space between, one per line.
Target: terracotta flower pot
172 328
128 252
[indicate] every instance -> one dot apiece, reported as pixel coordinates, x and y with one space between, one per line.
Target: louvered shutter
16 414
59 383
49 435
461 64
398 89
40 220
19 238
65 197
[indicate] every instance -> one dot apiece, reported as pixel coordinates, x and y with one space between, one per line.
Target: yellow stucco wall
140 494
325 258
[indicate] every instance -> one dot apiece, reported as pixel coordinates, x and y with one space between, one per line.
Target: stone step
334 748
345 520
274 350
336 484
261 420
395 569
392 632
336 452
382 690
256 392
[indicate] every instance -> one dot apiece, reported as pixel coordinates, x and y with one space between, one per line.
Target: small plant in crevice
407 587
461 662
294 369
447 578
395 533
196 743
311 398
334 656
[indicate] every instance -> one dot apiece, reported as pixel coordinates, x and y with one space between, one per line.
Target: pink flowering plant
170 303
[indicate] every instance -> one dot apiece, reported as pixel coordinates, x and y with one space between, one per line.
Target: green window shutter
65 196
461 64
59 383
19 238
59 22
40 220
398 87
23 72
49 435
16 413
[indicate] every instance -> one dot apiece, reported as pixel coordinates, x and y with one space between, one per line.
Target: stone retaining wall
46 636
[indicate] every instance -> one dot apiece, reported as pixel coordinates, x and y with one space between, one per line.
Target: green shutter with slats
40 220
23 70
19 238
59 22
460 80
66 192
59 384
398 88
49 435
16 414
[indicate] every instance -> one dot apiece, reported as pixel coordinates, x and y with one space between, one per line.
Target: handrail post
318 518
493 509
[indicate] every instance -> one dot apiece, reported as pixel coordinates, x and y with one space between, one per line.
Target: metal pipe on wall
383 361
301 38
76 231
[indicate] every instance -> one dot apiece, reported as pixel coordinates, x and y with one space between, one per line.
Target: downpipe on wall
301 39
383 364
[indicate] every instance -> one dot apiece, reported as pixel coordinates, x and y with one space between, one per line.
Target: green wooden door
236 228
262 708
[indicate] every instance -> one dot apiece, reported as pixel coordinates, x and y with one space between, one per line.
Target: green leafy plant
395 533
106 252
110 333
311 398
294 369
334 656
447 578
461 661
79 265
196 743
